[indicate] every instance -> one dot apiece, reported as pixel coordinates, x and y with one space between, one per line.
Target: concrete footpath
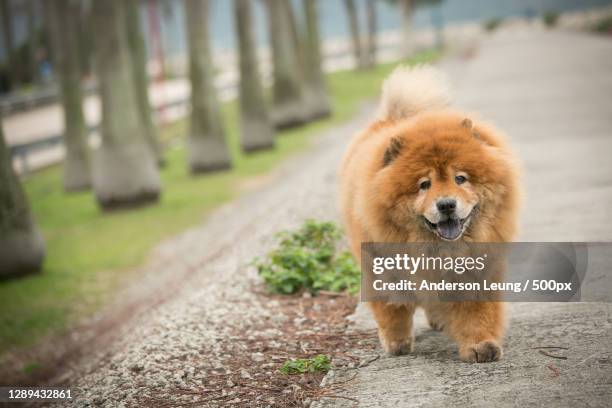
551 91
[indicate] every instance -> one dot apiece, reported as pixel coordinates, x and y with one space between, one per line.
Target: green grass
89 253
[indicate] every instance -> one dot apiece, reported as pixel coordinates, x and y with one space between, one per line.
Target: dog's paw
483 352
397 347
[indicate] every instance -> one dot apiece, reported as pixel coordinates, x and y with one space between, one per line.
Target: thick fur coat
424 172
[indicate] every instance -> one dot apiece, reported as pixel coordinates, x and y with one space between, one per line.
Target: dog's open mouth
451 228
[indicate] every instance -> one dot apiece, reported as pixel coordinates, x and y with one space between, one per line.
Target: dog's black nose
447 206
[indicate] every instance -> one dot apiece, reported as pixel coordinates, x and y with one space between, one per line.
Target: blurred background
127 122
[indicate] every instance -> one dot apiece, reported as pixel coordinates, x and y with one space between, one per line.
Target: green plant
550 18
307 259
319 363
492 24
604 25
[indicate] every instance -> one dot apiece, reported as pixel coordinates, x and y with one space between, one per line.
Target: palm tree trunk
296 36
83 20
314 64
30 7
288 93
353 18
314 98
406 11
22 249
62 27
255 125
124 170
7 34
141 77
372 33
208 150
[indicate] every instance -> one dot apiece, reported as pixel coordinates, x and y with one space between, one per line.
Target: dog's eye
460 179
425 185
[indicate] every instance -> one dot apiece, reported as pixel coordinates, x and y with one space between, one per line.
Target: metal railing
21 151
49 94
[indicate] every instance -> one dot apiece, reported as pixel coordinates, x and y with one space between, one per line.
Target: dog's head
447 176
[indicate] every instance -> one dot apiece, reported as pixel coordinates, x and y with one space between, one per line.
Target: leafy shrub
319 363
492 24
308 259
550 18
604 25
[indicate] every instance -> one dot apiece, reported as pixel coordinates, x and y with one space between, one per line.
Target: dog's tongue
449 229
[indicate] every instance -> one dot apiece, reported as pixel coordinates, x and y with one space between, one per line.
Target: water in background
334 22
332 15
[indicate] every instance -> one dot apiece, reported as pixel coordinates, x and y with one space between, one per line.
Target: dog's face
446 201
438 176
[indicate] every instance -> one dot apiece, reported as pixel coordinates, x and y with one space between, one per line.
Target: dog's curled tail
410 90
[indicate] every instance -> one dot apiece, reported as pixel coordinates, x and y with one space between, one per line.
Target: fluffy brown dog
422 173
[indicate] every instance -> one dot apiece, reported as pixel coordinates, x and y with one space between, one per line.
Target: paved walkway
552 93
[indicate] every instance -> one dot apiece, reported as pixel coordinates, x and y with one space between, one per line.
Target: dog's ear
469 124
393 150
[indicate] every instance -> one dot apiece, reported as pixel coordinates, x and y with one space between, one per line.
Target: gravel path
175 344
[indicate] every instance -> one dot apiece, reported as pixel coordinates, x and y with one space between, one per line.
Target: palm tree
288 93
13 70
407 8
30 11
256 127
141 77
315 103
315 77
62 28
85 38
207 147
372 33
294 29
22 249
124 170
351 11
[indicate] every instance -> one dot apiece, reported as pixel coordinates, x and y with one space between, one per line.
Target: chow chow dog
423 172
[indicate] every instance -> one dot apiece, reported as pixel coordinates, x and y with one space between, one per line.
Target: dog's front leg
394 326
478 329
